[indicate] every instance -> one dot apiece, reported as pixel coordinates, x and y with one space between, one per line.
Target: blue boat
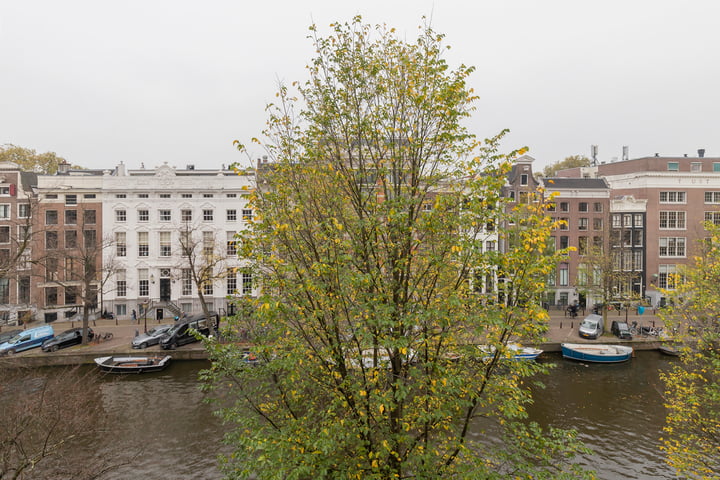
588 352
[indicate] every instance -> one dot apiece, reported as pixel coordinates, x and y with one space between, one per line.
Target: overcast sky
149 81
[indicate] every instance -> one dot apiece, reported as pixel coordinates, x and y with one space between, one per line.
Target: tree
203 260
44 417
372 220
78 267
31 161
572 161
692 389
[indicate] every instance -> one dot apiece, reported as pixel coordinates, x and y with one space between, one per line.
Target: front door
164 289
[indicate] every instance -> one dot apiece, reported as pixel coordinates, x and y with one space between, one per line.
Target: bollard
653 323
572 325
560 325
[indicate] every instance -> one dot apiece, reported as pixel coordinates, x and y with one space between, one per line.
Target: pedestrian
133 316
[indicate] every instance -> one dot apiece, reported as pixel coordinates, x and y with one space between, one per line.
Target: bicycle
102 337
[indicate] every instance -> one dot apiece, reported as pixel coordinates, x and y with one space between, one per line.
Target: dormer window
524 179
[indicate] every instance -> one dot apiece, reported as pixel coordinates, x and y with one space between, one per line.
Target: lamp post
145 305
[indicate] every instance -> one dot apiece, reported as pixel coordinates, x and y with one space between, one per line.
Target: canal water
162 421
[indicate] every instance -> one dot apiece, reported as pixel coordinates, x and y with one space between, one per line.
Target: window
231 195
638 260
564 242
70 199
143 283
120 309
70 295
597 223
165 248
617 220
143 247
231 215
713 217
121 244
672 197
598 245
231 249
208 288
51 268
90 237
582 245
5 257
186 215
51 240
23 210
637 238
583 206
673 167
672 246
696 167
165 215
564 223
247 214
51 217
89 195
208 195
551 207
208 243
247 283
143 215
627 220
716 166
24 290
71 239
4 234
70 217
51 296
121 284
186 195
89 217
564 207
207 215
5 190
583 223
186 282
143 195
564 274
120 195
490 245
712 197
672 220
598 207
164 195
51 196
524 179
667 276
121 215
231 278
638 220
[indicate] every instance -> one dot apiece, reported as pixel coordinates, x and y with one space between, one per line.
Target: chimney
701 152
625 153
63 168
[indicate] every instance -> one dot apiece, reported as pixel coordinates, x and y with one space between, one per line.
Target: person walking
133 316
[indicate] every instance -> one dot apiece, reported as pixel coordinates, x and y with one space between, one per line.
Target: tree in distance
692 387
374 245
572 161
31 161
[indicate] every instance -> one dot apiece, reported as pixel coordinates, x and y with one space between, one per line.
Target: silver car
152 337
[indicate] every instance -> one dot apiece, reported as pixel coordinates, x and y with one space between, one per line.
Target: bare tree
203 256
78 266
45 416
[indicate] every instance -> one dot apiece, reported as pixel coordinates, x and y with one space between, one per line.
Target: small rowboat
668 350
596 353
136 364
515 352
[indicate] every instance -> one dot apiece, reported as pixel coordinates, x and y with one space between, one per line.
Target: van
27 339
180 333
591 327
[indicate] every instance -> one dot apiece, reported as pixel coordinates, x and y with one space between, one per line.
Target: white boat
134 364
516 352
597 353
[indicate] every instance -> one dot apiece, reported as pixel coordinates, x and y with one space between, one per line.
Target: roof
586 183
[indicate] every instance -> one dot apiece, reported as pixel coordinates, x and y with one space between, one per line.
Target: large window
597 223
165 215
143 245
51 217
4 234
564 274
51 240
89 217
713 217
231 249
712 197
165 245
51 296
208 215
667 276
71 239
121 244
24 290
582 224
583 207
143 283
672 197
121 284
90 237
231 215
23 210
247 214
4 291
247 282
231 278
71 217
672 220
186 215
186 282
672 246
208 243
121 215
143 215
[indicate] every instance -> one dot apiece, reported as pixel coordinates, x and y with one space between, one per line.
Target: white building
146 211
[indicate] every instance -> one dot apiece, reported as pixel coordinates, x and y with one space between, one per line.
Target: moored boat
669 350
597 353
516 352
134 364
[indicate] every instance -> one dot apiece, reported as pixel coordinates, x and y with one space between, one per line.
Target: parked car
591 327
621 330
5 336
180 333
152 337
27 339
68 338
